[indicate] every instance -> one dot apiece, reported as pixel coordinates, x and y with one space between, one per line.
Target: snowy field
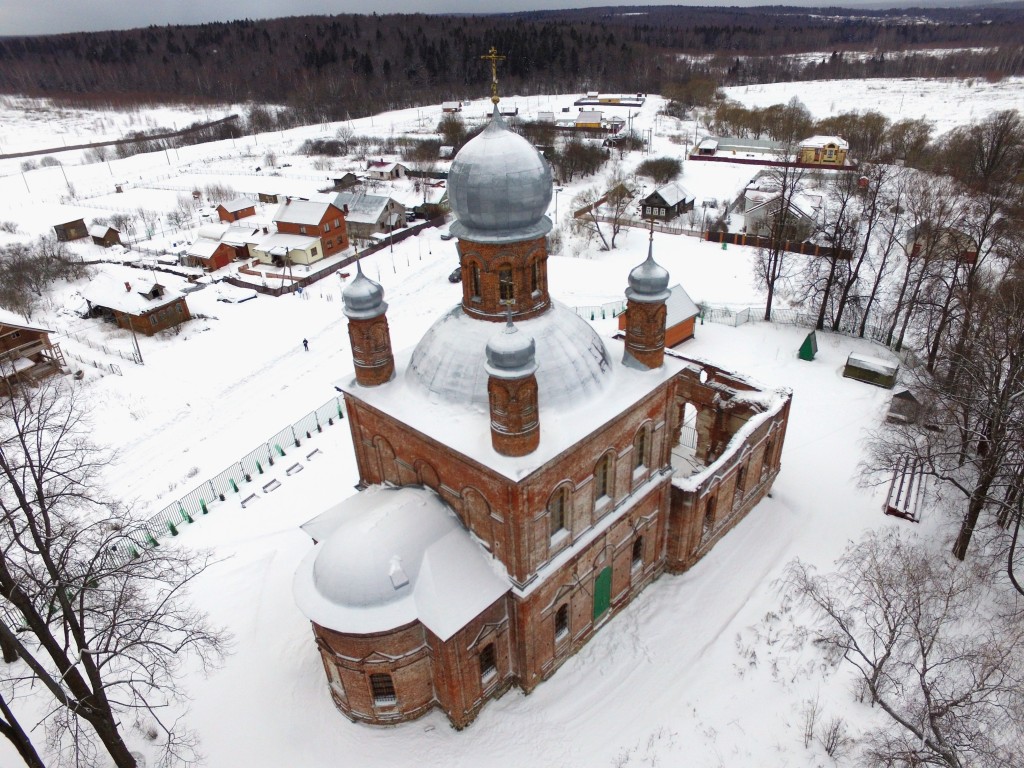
693 673
946 103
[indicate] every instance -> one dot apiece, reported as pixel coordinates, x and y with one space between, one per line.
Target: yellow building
823 150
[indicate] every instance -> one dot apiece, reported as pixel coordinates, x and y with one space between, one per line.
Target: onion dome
363 297
648 282
499 186
511 354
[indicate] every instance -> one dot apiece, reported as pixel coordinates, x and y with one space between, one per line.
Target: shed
904 408
71 230
871 370
236 209
103 235
590 118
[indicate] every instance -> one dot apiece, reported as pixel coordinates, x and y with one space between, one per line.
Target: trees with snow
936 645
28 269
92 613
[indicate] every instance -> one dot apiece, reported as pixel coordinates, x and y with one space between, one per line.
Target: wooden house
667 202
366 215
104 235
823 150
317 219
345 181
142 306
680 317
26 352
71 230
588 119
236 209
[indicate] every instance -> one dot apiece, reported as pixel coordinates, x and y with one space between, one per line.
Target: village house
823 150
71 230
366 215
588 119
312 219
946 243
239 208
479 558
104 235
26 353
667 202
450 107
381 170
141 305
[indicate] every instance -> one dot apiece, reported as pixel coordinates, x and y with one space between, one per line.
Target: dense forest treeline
333 67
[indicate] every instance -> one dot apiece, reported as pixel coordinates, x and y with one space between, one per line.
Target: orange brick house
314 218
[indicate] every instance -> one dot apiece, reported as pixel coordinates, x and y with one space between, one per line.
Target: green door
602 592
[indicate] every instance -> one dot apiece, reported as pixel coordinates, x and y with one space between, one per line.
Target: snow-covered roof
241 235
287 241
390 556
679 307
213 230
381 166
238 204
819 142
302 211
673 193
582 385
589 116
104 290
10 318
799 203
362 208
708 144
203 248
100 230
873 364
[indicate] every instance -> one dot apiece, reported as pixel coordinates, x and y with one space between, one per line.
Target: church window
709 513
640 449
602 477
488 662
534 277
506 289
741 482
557 509
383 688
335 678
475 281
562 621
766 461
638 551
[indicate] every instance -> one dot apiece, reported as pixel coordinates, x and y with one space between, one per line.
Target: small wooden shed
103 235
71 230
904 408
871 370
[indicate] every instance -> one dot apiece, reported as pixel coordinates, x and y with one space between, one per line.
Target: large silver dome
499 186
572 361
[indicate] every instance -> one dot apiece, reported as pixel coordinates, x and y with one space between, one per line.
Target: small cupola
368 330
646 313
512 391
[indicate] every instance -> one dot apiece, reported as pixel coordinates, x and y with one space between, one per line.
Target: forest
345 66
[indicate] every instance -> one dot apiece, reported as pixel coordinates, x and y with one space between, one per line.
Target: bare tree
937 646
96 613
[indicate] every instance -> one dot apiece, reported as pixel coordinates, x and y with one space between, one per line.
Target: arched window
474 281
603 477
640 449
506 288
562 621
383 689
534 276
558 509
638 551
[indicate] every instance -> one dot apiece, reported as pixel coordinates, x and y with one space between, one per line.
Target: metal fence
236 477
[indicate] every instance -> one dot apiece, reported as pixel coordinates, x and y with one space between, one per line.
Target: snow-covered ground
692 673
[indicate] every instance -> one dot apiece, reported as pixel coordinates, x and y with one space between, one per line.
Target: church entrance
602 592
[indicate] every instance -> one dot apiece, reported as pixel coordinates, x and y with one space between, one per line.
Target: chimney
345 206
127 286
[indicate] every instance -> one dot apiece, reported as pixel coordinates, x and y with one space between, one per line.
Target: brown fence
804 247
775 163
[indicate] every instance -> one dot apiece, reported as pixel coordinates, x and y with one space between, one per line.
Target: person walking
305 344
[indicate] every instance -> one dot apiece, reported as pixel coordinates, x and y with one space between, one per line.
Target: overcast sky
38 17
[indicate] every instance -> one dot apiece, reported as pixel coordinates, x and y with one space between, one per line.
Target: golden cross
494 58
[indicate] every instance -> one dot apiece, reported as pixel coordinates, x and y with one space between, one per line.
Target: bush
661 170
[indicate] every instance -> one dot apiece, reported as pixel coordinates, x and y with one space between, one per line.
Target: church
521 478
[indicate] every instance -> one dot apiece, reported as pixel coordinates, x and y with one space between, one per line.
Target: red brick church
522 479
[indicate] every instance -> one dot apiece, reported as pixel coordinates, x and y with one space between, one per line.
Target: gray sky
38 17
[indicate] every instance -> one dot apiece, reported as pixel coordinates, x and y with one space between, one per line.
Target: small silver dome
499 186
511 354
648 282
363 297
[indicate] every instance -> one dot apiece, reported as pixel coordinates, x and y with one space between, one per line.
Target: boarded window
383 689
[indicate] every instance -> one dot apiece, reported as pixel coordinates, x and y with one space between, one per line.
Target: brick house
142 306
314 218
26 353
480 558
